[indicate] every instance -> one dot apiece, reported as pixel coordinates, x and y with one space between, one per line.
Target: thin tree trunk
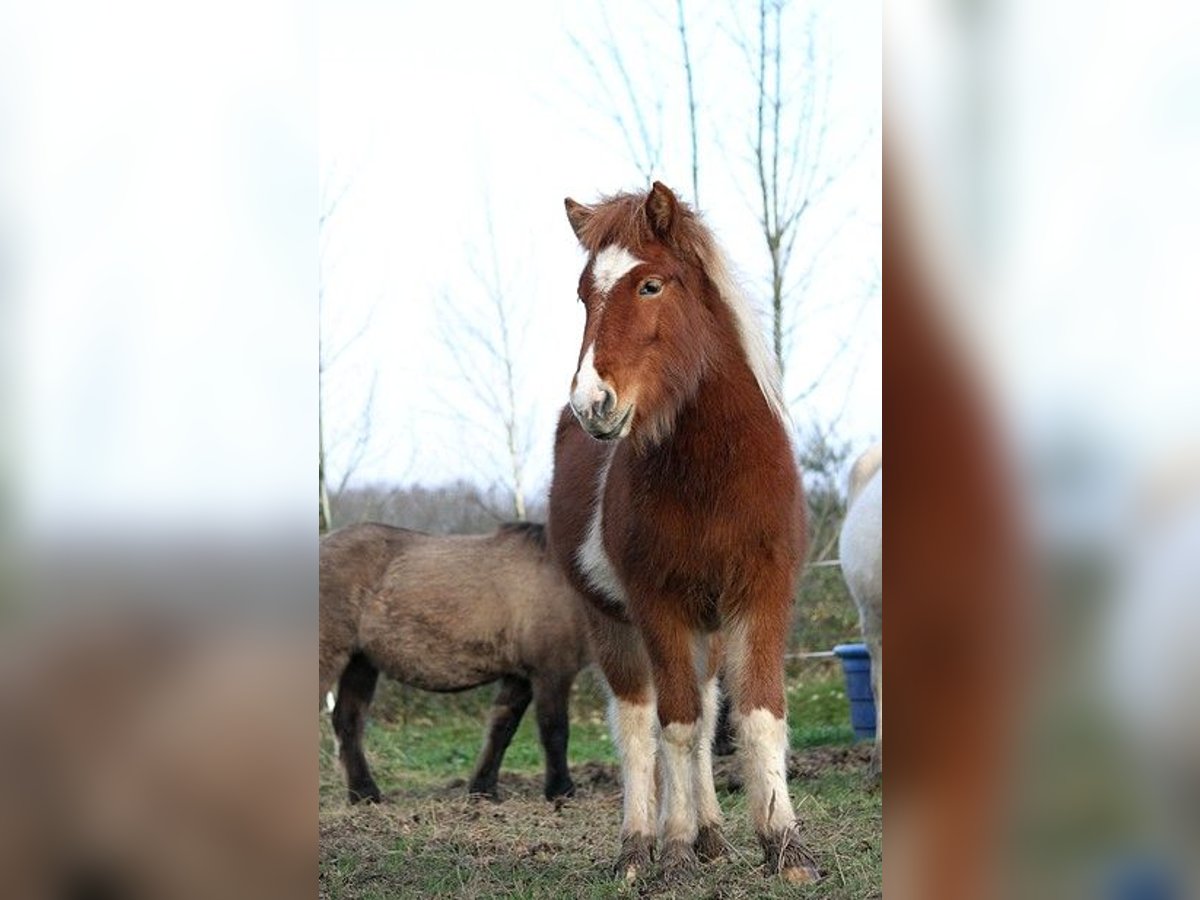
687 69
325 516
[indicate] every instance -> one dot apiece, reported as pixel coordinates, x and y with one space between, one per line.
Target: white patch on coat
593 561
762 748
612 264
633 727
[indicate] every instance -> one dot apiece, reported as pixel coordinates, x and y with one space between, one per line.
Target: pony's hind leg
875 646
510 704
355 690
710 842
755 646
552 694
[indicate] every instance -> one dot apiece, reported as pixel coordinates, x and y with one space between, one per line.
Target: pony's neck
727 406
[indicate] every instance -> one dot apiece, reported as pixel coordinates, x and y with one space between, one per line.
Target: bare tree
635 109
789 147
481 333
359 437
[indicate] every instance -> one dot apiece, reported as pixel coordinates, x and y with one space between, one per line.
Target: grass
429 839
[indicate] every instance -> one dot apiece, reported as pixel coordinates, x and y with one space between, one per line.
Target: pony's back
442 611
864 467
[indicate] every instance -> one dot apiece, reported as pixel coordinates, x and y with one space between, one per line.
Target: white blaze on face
589 388
611 265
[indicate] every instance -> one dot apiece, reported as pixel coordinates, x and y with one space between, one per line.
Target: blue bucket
856 667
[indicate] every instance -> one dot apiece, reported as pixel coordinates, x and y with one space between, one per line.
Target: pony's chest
627 554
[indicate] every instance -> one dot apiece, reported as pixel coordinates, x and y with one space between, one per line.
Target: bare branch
691 95
639 119
480 336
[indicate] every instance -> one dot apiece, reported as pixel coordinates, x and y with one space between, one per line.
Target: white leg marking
633 726
677 763
330 702
762 739
593 561
611 265
708 810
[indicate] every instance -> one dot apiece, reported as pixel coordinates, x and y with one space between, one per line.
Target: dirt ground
431 840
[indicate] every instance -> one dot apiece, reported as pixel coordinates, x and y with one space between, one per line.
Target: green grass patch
430 840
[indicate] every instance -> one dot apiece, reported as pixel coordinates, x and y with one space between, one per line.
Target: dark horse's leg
554 728
355 690
723 743
511 701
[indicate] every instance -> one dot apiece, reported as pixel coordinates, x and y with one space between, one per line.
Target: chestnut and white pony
676 508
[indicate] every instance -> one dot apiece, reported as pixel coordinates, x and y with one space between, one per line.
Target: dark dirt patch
804 764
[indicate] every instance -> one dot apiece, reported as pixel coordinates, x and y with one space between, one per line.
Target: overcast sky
434 117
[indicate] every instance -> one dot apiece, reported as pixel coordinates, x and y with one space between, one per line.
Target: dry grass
430 840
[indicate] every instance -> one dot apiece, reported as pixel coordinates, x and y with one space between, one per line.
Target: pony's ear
577 215
661 207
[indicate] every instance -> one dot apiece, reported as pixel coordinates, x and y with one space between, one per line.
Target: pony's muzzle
596 409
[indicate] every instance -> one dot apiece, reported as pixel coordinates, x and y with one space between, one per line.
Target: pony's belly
442 670
434 658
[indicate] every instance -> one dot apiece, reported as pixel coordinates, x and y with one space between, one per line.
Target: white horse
861 550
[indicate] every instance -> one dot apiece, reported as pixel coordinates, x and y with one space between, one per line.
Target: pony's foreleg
755 666
510 704
670 647
632 719
552 693
621 656
355 690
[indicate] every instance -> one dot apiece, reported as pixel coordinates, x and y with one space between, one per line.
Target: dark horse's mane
534 532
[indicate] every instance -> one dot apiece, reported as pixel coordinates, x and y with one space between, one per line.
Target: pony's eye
650 287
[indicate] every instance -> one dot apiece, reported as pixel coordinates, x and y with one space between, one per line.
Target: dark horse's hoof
637 850
365 793
564 788
483 791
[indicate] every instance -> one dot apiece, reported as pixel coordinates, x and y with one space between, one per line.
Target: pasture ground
430 840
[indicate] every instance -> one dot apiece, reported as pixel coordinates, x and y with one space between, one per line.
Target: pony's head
661 310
